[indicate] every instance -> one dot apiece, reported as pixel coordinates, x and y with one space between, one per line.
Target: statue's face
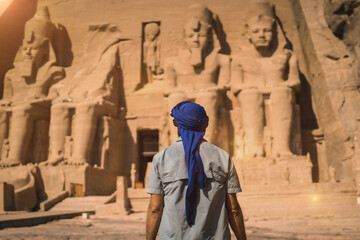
152 30
150 35
261 33
35 51
33 48
197 35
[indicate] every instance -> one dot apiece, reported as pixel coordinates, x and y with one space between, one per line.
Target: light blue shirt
169 177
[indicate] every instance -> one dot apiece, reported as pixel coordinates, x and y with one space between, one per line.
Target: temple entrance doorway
148 142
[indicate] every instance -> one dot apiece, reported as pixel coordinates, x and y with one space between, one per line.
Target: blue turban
192 121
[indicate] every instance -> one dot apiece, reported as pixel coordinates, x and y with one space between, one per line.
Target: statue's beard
262 49
196 57
27 68
265 48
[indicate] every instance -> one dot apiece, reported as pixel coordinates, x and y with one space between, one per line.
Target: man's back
169 176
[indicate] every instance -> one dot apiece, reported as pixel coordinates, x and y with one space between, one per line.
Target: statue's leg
21 130
149 75
174 99
209 100
252 106
3 128
84 132
59 129
281 117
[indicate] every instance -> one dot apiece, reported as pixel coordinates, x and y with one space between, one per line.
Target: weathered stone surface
276 84
265 79
152 52
333 84
200 71
7 198
13 18
281 172
27 185
27 86
85 180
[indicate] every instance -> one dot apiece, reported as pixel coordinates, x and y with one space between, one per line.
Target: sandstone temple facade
86 89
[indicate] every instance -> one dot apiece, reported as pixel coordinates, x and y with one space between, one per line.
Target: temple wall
323 115
130 17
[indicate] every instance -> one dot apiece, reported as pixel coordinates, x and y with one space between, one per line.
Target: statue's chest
191 78
210 68
264 66
189 71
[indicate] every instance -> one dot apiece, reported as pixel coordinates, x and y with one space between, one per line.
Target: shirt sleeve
154 183
233 184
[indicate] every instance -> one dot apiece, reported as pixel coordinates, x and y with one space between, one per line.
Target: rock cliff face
91 83
333 81
343 18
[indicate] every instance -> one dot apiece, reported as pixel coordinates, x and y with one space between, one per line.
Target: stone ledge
46 205
25 219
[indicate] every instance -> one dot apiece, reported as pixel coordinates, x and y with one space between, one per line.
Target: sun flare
4 4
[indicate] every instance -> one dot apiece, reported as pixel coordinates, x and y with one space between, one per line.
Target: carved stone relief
76 122
152 51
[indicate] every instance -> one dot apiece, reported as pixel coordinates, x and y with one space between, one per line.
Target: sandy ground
291 217
133 227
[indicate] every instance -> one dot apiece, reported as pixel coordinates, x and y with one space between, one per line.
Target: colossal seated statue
27 86
200 71
93 92
264 72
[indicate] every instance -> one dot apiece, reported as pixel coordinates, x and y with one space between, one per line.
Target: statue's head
151 30
35 48
39 32
261 26
197 34
198 29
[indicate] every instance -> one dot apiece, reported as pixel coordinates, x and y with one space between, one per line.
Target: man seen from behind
193 185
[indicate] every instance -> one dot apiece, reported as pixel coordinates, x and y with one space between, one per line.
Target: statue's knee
85 105
21 111
22 108
59 109
176 97
251 96
283 90
85 108
209 97
251 91
57 106
282 93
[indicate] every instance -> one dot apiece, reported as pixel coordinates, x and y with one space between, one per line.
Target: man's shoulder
170 162
173 148
211 148
216 161
206 147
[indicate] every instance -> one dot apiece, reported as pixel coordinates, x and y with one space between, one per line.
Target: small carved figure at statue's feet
76 161
256 152
53 161
283 153
8 162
